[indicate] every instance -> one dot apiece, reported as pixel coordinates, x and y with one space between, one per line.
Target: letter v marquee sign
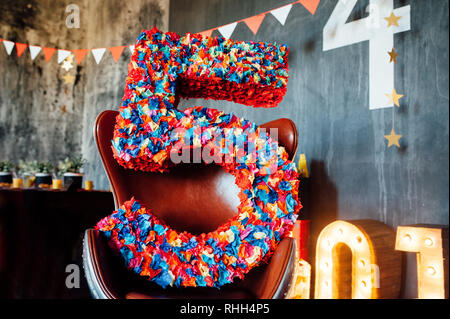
375 29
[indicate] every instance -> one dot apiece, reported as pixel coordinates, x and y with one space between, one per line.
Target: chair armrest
272 281
98 266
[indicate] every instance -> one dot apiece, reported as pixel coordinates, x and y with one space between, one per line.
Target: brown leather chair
193 197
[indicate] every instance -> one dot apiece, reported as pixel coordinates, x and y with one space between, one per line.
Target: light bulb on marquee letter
375 265
431 245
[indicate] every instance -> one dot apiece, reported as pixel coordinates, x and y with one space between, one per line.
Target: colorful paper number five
337 33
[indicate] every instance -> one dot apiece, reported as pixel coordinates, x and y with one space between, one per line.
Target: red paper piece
80 54
310 5
254 22
20 47
116 52
48 53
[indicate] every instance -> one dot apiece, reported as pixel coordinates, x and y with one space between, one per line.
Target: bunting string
253 23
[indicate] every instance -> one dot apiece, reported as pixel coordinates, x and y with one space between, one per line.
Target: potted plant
6 169
71 170
43 172
26 172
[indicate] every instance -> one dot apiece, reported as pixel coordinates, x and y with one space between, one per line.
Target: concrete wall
33 95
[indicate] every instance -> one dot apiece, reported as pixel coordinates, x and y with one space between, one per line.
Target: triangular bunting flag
253 23
206 33
20 47
48 53
131 47
34 51
227 30
80 54
116 52
281 13
9 45
63 54
98 54
310 5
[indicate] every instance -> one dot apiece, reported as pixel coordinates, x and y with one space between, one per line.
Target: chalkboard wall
354 174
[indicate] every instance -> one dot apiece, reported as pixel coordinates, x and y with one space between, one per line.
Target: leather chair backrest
192 197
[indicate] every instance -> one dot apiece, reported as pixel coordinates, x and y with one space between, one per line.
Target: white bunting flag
34 51
63 54
131 47
281 13
9 45
98 54
227 30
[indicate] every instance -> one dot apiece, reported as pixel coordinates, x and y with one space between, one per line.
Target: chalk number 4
374 28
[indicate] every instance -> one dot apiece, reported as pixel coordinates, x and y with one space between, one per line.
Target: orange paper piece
206 33
48 53
20 48
80 54
310 5
254 22
116 52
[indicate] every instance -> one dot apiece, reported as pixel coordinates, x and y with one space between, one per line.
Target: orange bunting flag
310 5
20 48
80 54
116 52
254 23
48 53
206 33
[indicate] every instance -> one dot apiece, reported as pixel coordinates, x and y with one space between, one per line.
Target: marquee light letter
337 33
431 245
374 265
